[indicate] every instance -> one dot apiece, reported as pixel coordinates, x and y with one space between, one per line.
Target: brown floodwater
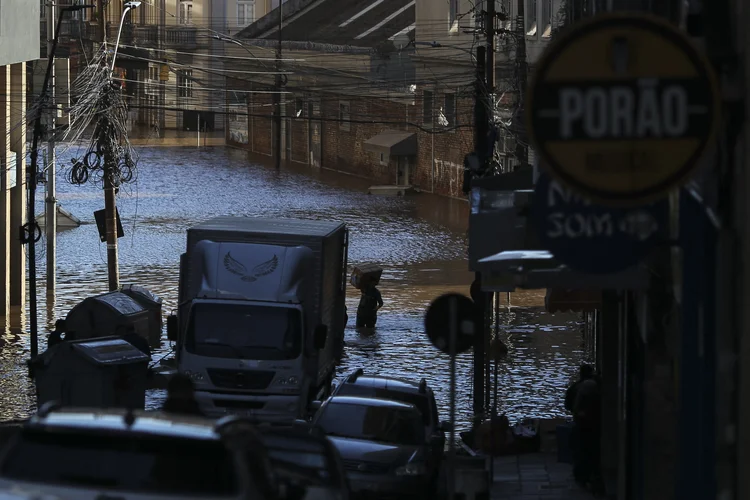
420 241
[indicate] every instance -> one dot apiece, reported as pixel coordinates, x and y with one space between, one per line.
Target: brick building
389 140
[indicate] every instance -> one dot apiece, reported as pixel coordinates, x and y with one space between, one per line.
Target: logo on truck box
238 268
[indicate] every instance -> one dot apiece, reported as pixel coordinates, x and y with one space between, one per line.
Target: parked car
309 461
382 444
95 454
406 391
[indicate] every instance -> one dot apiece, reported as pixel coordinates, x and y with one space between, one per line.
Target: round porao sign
621 108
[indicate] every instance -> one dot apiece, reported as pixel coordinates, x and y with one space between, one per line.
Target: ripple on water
419 240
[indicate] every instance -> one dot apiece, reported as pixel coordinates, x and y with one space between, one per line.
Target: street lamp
30 231
128 7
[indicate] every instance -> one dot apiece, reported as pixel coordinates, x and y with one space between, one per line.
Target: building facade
19 44
427 112
169 60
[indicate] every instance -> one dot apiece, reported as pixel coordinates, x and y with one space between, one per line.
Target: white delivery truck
261 314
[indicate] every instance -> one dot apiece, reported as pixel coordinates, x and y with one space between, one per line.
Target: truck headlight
290 381
413 469
194 376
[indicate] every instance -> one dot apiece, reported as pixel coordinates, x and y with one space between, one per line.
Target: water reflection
420 240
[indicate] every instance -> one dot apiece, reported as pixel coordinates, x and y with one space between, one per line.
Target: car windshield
373 423
418 400
142 464
244 331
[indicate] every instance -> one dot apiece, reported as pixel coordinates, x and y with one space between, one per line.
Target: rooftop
364 23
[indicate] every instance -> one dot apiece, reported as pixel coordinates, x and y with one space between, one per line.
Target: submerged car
382 445
98 454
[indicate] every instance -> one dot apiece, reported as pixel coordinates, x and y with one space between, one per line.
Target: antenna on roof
422 385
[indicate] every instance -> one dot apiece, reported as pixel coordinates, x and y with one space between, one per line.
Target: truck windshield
244 331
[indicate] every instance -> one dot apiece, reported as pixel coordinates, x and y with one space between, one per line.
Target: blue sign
591 238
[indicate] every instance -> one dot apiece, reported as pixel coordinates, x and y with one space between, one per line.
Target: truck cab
255 328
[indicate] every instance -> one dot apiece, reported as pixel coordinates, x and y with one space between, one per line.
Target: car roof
144 422
384 403
387 383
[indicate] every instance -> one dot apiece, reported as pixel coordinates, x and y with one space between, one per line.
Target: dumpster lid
119 302
108 351
142 291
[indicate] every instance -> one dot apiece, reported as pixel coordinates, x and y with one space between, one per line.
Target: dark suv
405 391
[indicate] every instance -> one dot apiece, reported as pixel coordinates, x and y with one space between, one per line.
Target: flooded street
419 241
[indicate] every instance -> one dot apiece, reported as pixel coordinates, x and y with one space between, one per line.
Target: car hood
370 451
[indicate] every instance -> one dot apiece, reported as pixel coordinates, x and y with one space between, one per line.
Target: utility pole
101 28
490 33
277 95
481 123
522 151
50 201
110 200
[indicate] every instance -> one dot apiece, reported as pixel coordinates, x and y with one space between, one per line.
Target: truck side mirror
319 336
172 327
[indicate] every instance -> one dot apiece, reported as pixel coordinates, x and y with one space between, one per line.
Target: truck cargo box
328 241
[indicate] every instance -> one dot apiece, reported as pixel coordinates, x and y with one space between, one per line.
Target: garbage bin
105 315
105 372
151 303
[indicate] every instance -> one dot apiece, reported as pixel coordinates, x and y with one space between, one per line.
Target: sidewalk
535 476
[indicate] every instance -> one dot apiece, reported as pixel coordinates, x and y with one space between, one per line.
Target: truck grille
240 379
366 467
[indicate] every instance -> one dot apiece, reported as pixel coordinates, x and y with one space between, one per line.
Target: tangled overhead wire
109 157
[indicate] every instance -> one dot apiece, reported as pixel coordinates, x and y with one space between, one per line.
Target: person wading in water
369 303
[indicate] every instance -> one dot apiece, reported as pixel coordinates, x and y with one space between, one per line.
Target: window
245 12
344 116
185 83
531 18
186 12
240 331
449 111
419 400
546 18
372 423
78 15
427 107
505 8
453 20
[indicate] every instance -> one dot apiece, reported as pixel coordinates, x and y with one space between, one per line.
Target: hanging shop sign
592 238
622 108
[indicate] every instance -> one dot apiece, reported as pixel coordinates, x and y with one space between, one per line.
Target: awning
393 143
538 269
